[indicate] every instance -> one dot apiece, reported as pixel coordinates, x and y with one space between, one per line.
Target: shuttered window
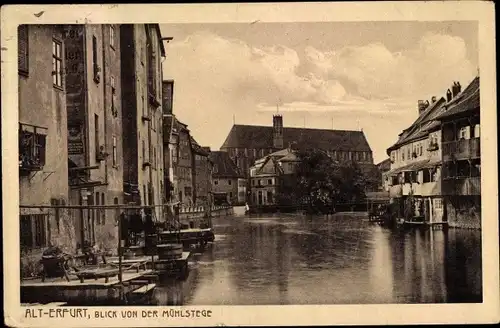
23 49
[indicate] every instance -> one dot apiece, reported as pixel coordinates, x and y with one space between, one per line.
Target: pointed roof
467 100
197 148
224 167
385 165
420 128
261 137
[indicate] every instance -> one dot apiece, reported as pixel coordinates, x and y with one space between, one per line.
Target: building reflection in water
464 266
329 260
418 271
381 267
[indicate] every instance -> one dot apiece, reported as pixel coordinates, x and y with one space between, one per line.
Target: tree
320 182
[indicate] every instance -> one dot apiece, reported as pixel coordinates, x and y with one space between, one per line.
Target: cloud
375 72
216 78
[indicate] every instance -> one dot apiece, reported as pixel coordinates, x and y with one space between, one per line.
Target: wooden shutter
22 44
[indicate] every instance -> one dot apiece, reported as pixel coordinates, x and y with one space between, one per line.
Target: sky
332 75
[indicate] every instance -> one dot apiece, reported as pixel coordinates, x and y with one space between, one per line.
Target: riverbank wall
199 212
464 212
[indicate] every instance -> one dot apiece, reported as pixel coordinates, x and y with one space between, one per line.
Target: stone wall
61 233
464 212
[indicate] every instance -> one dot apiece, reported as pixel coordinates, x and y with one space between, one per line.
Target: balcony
432 188
395 191
462 186
461 149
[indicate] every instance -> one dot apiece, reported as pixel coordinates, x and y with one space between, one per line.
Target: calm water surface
339 259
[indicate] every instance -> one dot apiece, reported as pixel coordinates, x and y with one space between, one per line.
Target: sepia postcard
249 164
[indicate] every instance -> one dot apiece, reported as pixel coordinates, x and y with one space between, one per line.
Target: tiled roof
466 101
283 155
254 136
425 123
197 148
224 167
415 166
385 165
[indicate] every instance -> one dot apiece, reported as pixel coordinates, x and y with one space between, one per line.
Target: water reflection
328 260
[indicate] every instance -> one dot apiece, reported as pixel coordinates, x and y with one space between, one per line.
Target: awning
415 166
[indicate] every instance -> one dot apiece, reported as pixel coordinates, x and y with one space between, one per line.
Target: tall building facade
93 100
228 182
43 145
415 171
141 82
461 152
435 164
202 175
247 143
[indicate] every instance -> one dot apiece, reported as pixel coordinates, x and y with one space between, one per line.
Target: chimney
421 106
167 95
433 99
278 131
448 95
456 89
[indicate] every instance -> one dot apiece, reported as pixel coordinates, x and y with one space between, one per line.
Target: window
97 211
438 203
96 135
403 155
145 195
154 157
143 151
117 210
57 63
33 230
433 174
426 175
23 49
143 107
464 132
32 146
103 211
230 195
270 181
477 131
255 153
229 182
187 191
420 149
269 196
97 69
112 36
393 156
409 152
114 152
216 182
113 92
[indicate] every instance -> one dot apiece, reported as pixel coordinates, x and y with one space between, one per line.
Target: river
339 259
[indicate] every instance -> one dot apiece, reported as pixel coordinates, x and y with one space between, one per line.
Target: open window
32 147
